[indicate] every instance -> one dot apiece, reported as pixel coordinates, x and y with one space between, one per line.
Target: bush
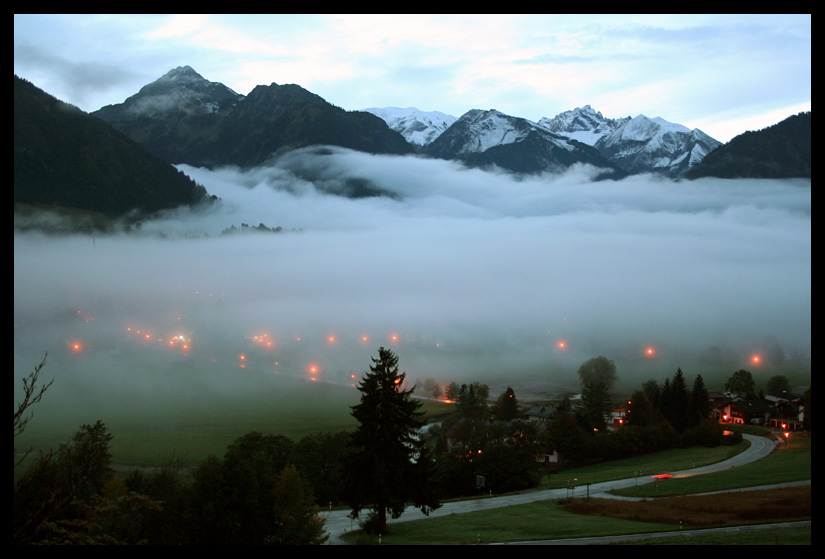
708 433
372 524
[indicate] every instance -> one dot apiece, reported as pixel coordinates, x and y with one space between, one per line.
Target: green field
191 431
551 519
154 434
782 465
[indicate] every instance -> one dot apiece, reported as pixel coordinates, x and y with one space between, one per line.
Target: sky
723 74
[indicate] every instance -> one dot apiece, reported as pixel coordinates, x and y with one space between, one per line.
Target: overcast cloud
724 74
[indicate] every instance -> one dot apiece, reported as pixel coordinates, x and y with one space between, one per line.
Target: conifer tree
678 411
700 407
389 465
507 405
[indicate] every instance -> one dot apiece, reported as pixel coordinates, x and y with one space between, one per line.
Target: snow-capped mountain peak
643 129
492 128
637 145
583 124
417 127
490 138
645 144
180 89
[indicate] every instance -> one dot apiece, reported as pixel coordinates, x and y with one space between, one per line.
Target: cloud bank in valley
467 274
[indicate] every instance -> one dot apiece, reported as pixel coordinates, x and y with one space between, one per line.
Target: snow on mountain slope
583 124
490 138
639 144
181 89
418 127
491 128
482 130
644 144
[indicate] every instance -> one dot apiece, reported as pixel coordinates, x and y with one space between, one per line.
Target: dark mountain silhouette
68 158
779 151
186 119
278 118
175 117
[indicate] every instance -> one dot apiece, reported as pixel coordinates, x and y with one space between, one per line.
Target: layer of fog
466 274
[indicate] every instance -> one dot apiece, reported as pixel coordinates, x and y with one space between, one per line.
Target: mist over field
466 274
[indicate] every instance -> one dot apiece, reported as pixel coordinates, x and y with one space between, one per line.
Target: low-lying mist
467 274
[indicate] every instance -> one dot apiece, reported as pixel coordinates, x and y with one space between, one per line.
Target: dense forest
779 151
66 158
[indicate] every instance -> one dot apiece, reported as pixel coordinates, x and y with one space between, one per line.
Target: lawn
576 518
582 518
676 459
792 463
533 521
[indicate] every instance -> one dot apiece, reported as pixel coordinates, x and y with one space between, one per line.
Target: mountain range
184 118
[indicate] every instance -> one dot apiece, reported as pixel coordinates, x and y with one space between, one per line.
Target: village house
771 411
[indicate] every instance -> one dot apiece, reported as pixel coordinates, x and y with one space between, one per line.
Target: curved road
338 523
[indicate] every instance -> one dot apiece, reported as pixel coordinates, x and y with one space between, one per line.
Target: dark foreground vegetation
270 489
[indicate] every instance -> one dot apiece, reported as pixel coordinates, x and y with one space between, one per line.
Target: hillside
65 157
779 151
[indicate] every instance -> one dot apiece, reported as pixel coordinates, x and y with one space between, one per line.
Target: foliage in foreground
252 495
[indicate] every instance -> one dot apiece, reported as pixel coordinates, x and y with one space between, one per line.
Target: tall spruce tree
700 406
679 402
389 466
507 405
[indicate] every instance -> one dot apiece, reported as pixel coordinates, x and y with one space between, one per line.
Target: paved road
338 523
